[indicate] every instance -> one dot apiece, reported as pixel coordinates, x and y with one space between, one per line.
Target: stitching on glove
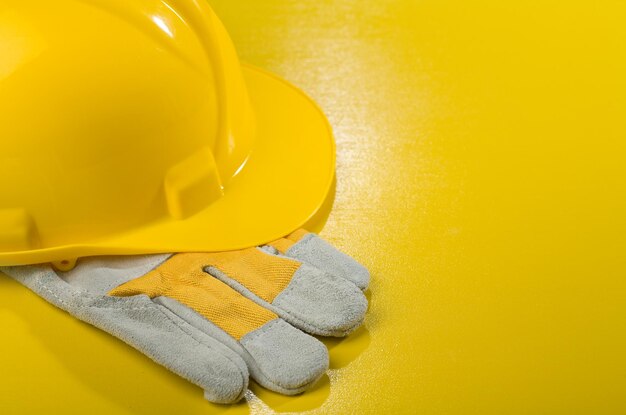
246 292
185 330
262 330
66 304
288 293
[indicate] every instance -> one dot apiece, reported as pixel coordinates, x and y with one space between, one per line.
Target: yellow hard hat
131 127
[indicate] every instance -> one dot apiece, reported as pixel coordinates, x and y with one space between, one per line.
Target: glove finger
305 296
279 356
311 249
151 329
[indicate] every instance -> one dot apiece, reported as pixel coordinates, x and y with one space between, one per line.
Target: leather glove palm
218 318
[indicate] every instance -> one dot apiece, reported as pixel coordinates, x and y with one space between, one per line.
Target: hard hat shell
132 128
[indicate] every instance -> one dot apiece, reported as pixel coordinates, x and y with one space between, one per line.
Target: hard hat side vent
17 231
192 185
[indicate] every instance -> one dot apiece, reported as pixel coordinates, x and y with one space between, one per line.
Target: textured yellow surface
481 177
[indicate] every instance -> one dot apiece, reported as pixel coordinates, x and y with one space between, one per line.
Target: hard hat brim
283 183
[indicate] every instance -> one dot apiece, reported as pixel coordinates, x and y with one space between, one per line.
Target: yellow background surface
481 177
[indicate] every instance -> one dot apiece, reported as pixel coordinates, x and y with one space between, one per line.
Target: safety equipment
130 127
214 318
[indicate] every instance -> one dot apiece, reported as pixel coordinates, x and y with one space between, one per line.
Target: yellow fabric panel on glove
183 279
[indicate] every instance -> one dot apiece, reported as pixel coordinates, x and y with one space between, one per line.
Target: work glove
218 318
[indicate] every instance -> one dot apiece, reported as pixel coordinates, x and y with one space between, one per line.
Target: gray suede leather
317 252
288 359
321 303
99 275
279 356
150 328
